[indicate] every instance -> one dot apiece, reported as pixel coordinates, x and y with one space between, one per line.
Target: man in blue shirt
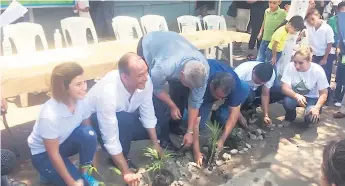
223 84
171 58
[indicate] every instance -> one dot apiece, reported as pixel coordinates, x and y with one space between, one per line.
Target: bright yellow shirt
280 36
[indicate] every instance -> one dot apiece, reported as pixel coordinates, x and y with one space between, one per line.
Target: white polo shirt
55 121
245 73
109 96
318 39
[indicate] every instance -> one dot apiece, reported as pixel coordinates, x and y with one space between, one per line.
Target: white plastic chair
215 22
188 24
151 23
77 30
23 36
125 27
212 22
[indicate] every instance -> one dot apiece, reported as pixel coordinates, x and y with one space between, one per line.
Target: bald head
131 62
133 71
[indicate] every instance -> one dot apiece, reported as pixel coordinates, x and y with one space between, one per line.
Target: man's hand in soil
159 149
175 113
131 178
220 144
243 121
267 120
188 139
198 158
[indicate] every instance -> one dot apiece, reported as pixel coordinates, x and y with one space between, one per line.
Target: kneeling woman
305 84
61 131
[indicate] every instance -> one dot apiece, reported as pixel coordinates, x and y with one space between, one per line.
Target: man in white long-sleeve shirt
122 101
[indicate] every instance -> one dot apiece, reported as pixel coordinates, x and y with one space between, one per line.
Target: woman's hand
301 100
315 114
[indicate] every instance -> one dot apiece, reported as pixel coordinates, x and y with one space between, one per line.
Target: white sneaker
337 104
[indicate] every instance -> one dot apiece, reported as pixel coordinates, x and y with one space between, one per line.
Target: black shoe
177 130
168 145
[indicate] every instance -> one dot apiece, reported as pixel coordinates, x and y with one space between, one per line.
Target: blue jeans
130 129
291 104
269 56
262 51
83 140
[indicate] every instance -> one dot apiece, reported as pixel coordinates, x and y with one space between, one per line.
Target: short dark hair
224 81
263 71
334 162
61 77
311 12
123 63
341 5
297 22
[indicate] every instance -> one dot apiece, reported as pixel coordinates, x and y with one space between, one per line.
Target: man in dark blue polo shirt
223 83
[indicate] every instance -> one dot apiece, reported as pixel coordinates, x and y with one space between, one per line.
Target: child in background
274 16
321 38
276 46
340 77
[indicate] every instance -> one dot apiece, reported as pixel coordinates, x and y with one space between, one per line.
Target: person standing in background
274 16
257 12
338 45
102 13
300 8
321 38
242 18
82 7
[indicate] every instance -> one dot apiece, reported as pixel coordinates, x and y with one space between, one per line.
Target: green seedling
216 130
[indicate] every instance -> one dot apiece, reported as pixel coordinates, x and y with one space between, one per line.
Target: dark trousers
82 141
102 13
179 94
340 79
130 129
257 12
254 97
328 67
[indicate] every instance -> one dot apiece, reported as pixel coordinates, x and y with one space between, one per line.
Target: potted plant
213 152
160 176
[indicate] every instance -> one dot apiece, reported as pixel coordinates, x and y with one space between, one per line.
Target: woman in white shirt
305 84
58 132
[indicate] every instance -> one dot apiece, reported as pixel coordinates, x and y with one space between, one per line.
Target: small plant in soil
213 153
160 176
